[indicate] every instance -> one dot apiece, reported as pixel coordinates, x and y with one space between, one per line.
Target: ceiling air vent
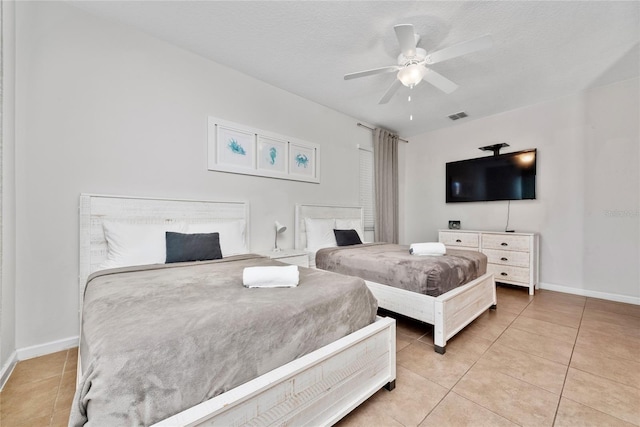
456 116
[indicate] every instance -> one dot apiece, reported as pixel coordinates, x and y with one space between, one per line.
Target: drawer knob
504 244
458 241
504 259
504 274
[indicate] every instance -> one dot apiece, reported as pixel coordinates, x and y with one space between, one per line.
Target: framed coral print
236 147
272 155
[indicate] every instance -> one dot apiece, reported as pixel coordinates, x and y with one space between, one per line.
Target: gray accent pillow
192 247
347 237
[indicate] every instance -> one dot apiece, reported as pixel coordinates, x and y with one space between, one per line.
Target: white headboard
322 211
142 210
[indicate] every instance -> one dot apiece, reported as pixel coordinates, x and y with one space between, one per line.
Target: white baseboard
592 294
7 369
47 348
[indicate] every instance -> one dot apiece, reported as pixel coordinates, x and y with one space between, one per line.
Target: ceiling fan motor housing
420 56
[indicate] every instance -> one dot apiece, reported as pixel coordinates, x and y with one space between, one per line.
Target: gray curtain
385 159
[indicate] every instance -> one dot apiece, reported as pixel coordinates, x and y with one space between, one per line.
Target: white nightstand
288 256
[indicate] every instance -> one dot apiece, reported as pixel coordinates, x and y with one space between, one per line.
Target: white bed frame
317 389
448 313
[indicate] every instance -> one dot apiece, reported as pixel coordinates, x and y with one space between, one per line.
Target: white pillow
232 235
351 224
137 244
320 233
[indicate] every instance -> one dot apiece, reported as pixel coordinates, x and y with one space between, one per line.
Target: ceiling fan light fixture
411 75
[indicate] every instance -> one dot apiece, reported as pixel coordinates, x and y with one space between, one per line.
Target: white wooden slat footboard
448 313
460 306
317 389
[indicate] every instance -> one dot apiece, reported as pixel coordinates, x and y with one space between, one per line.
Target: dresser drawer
508 273
467 240
506 242
512 258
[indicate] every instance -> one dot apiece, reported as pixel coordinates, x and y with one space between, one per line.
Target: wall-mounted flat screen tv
510 176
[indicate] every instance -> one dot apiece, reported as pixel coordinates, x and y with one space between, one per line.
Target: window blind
366 188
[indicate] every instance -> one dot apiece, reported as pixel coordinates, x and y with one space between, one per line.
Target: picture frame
273 155
303 160
236 148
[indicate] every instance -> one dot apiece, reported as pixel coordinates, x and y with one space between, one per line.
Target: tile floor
40 391
552 359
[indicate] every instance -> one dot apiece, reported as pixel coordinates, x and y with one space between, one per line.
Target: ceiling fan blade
365 73
460 49
407 39
390 92
439 81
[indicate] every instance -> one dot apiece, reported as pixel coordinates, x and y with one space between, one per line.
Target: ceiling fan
412 62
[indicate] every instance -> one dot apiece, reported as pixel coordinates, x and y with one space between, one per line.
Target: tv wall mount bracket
495 148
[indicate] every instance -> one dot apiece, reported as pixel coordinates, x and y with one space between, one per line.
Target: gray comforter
159 339
392 265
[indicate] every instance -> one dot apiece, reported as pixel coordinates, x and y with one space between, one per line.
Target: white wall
588 186
105 109
8 205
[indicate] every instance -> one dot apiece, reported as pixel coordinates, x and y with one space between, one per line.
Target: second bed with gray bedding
159 339
393 265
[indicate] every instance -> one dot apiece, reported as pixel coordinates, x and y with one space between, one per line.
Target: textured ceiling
542 50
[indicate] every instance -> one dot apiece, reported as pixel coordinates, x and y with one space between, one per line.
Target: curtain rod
365 126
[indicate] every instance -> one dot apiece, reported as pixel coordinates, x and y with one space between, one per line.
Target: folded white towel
271 277
431 248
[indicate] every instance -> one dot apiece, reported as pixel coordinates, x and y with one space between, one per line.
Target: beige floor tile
455 410
613 307
515 307
60 419
491 324
72 359
601 342
39 368
537 345
546 329
497 316
601 364
465 342
553 315
574 414
516 299
30 400
412 399
532 369
402 341
619 330
610 397
563 301
17 421
367 415
36 404
546 296
66 392
513 399
613 318
443 369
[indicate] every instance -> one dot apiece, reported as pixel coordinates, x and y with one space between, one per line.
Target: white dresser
288 256
511 257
